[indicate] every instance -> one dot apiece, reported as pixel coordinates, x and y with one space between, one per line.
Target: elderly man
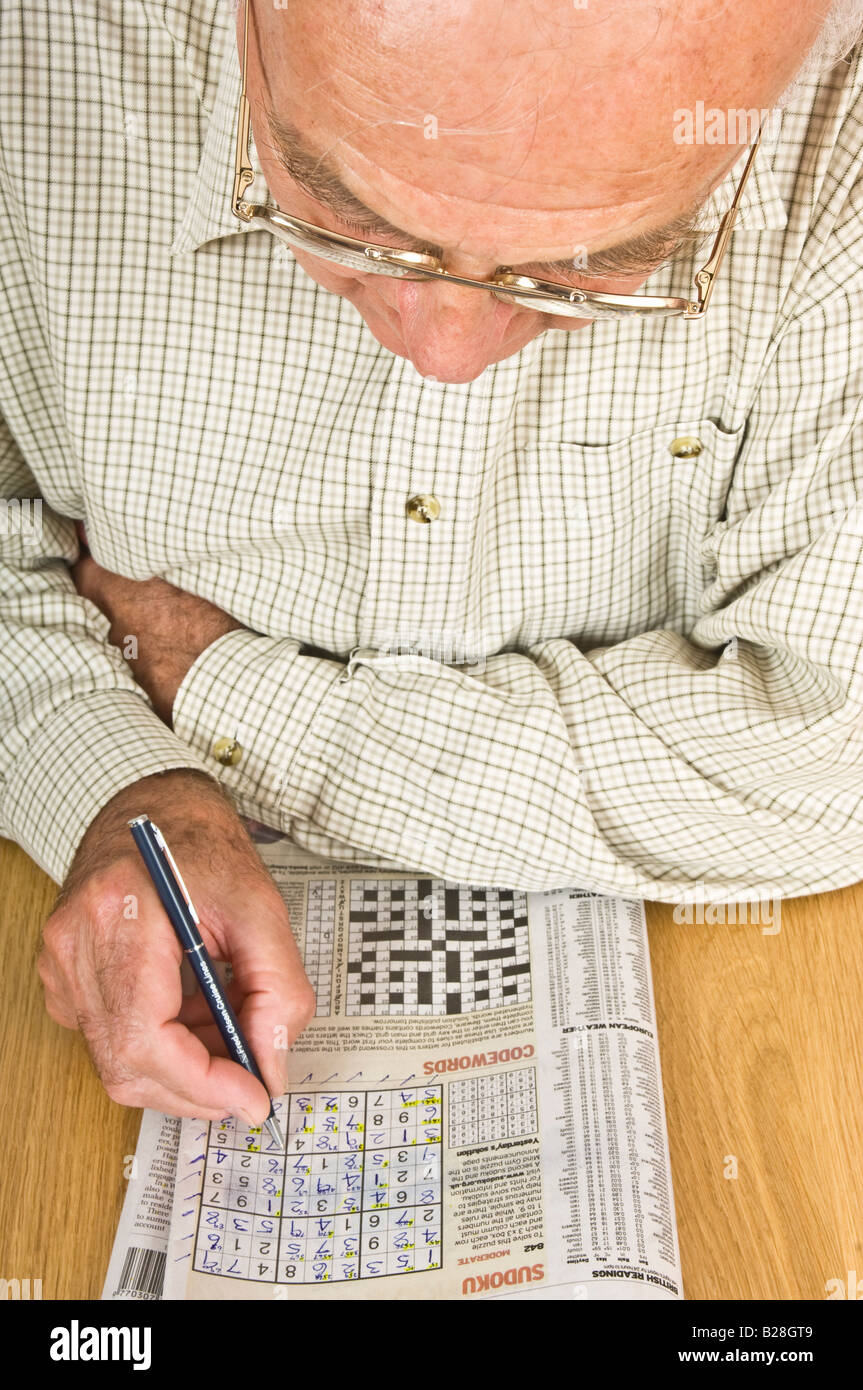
414 532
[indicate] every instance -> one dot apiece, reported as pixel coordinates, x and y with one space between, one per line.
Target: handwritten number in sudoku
357 1195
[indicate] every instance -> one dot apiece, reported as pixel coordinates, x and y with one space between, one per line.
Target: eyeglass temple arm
705 277
244 174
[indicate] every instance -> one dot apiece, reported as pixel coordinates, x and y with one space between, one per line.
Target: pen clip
179 877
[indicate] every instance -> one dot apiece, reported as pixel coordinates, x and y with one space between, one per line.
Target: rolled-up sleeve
75 728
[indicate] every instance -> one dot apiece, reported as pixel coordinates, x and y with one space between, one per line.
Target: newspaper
475 1111
137 1266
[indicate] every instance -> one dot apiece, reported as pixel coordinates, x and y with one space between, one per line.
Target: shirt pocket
610 536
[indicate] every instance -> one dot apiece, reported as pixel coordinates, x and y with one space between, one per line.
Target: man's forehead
499 67
627 254
563 132
455 190
541 129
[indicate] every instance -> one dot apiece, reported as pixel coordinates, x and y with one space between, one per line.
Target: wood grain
61 1131
760 1039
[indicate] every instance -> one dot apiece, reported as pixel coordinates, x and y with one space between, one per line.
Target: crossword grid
483 1108
357 1194
425 946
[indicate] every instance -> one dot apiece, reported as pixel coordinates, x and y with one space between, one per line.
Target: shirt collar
208 214
208 211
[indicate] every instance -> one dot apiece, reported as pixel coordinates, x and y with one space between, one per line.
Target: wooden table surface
760 1037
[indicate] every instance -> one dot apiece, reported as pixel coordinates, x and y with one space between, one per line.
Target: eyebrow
637 254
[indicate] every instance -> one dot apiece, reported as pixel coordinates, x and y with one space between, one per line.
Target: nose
450 332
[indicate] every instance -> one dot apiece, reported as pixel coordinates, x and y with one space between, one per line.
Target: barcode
143 1272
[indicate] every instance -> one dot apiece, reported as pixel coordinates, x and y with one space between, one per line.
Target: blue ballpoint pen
174 895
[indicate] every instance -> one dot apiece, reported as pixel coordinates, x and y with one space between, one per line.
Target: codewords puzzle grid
422 946
356 1194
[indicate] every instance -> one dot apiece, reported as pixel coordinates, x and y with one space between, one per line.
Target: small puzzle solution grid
426 946
320 939
485 1108
356 1195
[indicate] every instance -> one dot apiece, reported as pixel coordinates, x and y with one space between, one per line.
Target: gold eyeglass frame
545 296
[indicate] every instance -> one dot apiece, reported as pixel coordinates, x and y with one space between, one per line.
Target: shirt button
685 446
423 507
227 751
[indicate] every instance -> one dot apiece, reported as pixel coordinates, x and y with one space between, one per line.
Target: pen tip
272 1127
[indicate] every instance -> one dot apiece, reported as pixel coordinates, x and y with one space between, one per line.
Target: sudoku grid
356 1195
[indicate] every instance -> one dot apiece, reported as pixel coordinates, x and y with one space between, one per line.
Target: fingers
174 1065
277 1000
86 576
119 981
56 1003
270 1017
196 1013
197 1016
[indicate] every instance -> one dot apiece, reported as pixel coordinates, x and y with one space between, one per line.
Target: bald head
509 132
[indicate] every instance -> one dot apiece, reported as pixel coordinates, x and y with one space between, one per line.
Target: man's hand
110 962
170 627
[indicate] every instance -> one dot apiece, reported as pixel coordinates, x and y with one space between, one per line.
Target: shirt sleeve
725 760
75 728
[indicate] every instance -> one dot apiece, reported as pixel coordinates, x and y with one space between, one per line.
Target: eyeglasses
524 290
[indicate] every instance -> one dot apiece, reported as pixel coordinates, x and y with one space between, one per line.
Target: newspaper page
475 1111
137 1266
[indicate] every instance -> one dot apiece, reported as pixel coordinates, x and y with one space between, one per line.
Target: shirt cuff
89 750
259 692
